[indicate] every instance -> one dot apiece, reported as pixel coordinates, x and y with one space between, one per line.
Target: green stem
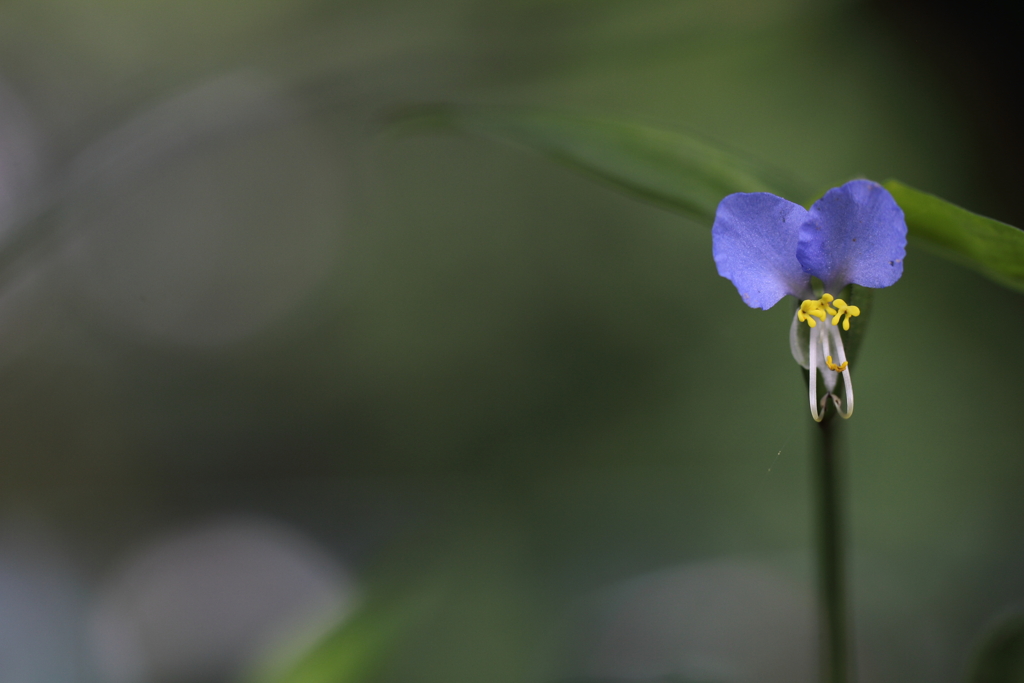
834 639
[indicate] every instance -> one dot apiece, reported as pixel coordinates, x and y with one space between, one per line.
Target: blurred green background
263 366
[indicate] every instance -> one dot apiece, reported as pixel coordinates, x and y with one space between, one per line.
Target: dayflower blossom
769 247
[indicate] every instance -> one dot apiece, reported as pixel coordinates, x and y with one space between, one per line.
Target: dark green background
439 355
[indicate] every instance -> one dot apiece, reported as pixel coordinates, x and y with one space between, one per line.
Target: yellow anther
812 307
833 366
815 308
844 309
804 318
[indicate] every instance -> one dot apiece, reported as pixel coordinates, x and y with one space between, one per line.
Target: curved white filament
841 357
822 338
812 382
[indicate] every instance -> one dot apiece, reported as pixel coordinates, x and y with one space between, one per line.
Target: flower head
770 247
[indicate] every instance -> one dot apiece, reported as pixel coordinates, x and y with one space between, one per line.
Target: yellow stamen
833 366
844 309
804 318
815 308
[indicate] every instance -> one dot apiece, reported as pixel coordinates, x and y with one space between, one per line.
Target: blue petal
855 233
754 241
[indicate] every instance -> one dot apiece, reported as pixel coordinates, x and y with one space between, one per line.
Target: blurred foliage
1000 657
665 167
533 386
359 647
690 176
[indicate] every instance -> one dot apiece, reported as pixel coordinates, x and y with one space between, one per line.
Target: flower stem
834 643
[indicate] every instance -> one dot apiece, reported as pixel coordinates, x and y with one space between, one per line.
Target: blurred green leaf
356 649
678 171
668 678
689 175
1000 658
988 246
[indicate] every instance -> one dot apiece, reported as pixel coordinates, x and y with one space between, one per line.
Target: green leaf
1000 658
667 678
678 171
988 246
355 650
687 174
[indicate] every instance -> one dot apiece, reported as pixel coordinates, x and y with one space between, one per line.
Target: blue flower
769 247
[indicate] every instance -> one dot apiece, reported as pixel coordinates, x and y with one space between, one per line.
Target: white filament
812 382
841 358
821 339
